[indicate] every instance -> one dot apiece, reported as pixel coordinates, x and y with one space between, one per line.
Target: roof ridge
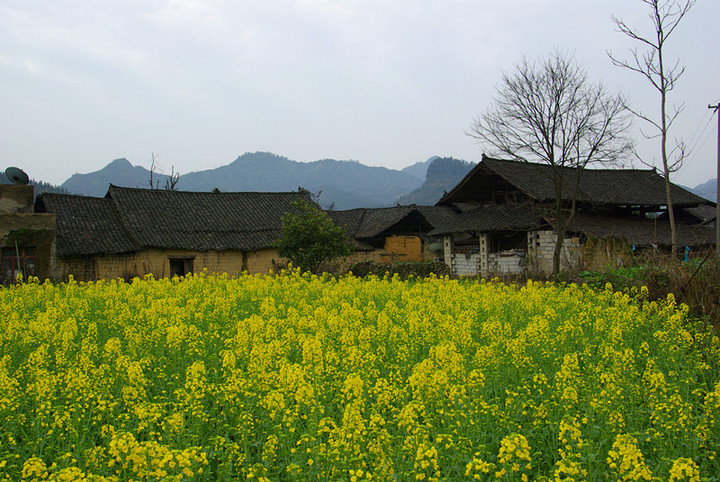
545 164
146 189
69 194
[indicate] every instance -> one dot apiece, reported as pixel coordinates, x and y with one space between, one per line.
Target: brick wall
501 263
466 264
541 246
461 264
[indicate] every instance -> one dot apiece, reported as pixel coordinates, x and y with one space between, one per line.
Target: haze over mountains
341 184
441 175
708 189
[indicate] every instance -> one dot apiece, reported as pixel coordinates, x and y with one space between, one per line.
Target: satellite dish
16 175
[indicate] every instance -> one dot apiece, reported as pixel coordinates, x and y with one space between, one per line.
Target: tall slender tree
650 62
549 112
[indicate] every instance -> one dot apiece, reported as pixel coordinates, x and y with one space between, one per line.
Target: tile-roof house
132 232
504 225
397 233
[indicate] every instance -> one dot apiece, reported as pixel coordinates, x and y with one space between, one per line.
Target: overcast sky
384 82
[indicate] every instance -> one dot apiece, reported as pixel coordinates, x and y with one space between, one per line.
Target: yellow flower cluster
626 460
299 377
570 465
684 469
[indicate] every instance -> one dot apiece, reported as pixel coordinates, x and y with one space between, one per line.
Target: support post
717 196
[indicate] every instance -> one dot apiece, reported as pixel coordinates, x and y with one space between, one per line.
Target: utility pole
717 197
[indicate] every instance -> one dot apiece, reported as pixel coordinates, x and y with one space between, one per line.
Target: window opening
15 261
181 266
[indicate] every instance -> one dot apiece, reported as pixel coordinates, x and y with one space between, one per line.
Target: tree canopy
310 237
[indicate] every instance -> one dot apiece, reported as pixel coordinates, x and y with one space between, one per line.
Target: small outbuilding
394 234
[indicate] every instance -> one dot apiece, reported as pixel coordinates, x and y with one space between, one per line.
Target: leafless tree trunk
550 113
650 63
172 180
154 183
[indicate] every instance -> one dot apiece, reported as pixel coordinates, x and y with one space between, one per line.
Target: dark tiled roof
497 217
438 215
642 231
637 230
375 221
202 221
364 223
597 186
146 218
85 225
351 220
704 213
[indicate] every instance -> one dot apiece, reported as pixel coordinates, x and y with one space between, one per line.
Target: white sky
385 82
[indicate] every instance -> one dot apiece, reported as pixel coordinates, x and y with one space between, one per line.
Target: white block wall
541 246
466 264
513 264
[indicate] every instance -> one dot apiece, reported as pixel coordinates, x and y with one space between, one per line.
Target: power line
693 143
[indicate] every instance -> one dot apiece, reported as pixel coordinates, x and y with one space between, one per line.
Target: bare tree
650 63
550 113
171 181
154 183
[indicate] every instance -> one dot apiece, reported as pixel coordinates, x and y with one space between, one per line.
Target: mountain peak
260 156
442 174
119 163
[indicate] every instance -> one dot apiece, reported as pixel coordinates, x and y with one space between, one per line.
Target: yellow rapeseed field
298 377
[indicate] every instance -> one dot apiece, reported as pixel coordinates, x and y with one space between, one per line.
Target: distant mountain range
340 184
708 190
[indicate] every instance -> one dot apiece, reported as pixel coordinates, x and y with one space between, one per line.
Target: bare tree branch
154 183
172 180
665 16
550 113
